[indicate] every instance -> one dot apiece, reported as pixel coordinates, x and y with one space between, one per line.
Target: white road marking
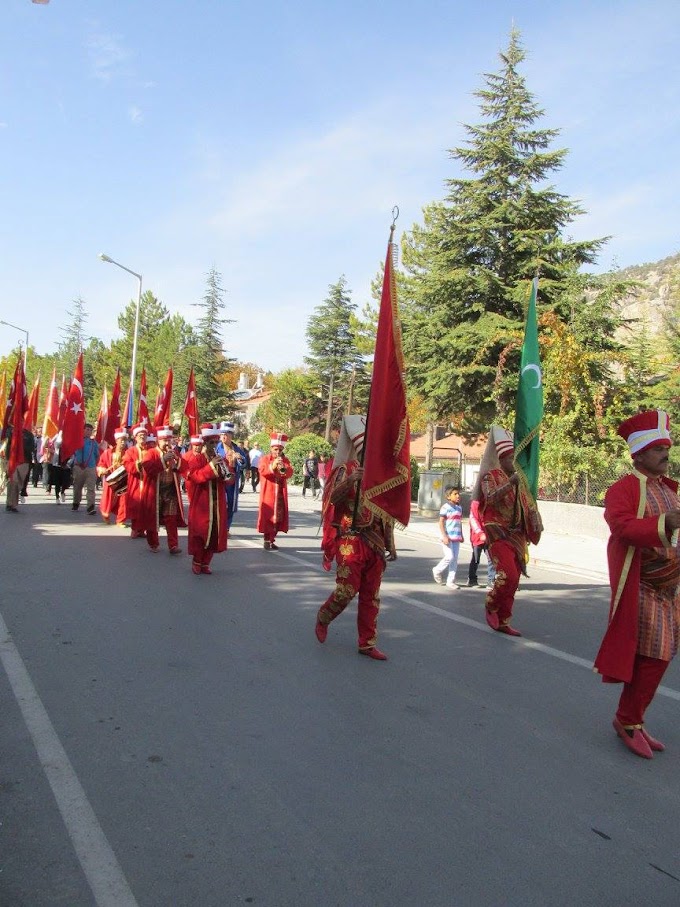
97 859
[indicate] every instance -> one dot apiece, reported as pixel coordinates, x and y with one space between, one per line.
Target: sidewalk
578 555
581 555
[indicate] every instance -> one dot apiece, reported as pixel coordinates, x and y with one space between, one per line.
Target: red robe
186 465
110 503
207 507
272 515
630 532
143 471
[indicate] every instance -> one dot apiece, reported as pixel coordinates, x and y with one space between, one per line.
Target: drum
117 480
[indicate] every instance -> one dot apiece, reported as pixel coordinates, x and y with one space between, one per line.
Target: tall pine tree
211 366
469 266
334 358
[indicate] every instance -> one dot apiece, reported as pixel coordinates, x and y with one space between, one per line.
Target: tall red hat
276 439
208 430
646 429
164 431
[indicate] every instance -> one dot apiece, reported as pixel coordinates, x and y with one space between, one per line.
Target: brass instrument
222 467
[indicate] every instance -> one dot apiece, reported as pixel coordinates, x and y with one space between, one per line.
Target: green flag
529 402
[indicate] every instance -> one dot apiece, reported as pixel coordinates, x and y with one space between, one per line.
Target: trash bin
431 490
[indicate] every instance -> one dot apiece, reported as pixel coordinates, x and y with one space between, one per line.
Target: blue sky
272 140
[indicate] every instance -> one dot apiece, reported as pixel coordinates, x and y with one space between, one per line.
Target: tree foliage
334 359
210 362
469 266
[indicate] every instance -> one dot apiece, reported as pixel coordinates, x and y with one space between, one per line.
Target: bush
297 449
415 479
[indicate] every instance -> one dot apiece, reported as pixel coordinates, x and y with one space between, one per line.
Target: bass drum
117 480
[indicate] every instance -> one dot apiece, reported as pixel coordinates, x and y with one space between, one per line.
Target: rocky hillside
648 301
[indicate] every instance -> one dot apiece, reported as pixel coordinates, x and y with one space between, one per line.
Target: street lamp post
134 339
23 331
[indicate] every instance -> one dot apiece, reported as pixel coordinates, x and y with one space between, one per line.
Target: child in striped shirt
451 530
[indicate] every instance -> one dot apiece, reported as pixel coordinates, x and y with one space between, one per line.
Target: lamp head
105 257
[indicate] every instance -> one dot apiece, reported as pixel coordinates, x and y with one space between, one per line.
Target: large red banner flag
113 423
63 402
143 408
102 418
19 403
31 414
73 431
164 402
386 483
3 396
191 405
51 420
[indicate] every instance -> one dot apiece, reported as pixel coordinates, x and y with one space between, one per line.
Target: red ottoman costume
275 470
511 520
208 476
360 550
644 573
112 504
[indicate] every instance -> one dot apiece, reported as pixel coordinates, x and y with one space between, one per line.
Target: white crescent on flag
534 368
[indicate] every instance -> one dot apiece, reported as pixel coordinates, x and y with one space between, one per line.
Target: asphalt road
179 741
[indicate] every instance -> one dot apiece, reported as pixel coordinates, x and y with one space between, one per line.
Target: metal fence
584 489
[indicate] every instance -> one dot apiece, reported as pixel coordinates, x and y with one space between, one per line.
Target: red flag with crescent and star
191 405
73 431
102 418
51 420
63 402
31 415
143 408
17 402
164 402
113 423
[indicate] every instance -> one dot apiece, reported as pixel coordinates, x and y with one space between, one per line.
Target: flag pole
357 497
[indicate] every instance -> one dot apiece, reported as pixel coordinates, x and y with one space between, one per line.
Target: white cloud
136 115
106 53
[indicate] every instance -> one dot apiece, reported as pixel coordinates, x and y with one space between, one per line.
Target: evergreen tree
334 359
163 340
211 367
469 266
73 336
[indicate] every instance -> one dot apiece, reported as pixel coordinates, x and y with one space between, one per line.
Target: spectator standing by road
310 473
85 461
451 533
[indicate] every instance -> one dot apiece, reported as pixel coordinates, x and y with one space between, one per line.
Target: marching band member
132 461
275 470
111 503
208 475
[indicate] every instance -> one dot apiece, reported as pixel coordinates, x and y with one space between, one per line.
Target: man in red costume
159 499
361 545
511 521
188 458
275 469
642 510
132 459
112 504
208 475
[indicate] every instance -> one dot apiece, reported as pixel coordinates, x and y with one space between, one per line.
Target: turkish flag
102 419
31 414
73 430
114 412
191 405
51 420
143 409
63 402
386 483
18 400
164 402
